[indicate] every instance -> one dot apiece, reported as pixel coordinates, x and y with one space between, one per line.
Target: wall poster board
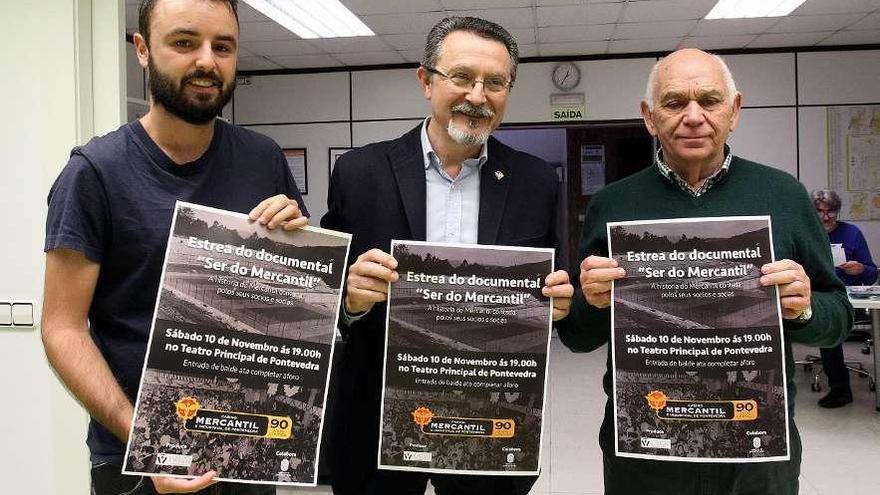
333 155
296 161
854 159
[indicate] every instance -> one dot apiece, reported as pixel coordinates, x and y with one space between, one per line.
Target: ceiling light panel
310 19
741 9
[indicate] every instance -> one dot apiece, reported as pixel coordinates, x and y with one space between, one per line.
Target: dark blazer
377 193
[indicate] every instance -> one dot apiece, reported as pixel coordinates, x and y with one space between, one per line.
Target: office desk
873 304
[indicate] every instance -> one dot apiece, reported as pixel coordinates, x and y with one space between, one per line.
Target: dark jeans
629 476
107 479
385 482
835 369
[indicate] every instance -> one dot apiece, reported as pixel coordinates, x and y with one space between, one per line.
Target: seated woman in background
859 269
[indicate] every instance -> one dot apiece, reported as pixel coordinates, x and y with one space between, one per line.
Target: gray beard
464 138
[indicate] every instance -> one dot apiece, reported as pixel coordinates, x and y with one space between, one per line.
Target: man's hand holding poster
697 342
465 359
239 353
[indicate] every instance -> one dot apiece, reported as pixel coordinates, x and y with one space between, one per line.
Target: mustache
200 74
473 110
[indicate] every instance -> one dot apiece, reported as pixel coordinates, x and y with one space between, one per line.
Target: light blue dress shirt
452 209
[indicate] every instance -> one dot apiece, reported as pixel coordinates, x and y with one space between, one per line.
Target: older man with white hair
692 106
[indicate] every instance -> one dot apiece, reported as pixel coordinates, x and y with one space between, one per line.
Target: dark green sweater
748 189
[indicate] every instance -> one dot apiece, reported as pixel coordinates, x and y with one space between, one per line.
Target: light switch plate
5 314
23 314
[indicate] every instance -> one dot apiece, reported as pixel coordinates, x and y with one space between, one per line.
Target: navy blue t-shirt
114 202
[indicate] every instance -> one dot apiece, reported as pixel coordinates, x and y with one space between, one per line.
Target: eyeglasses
827 213
463 80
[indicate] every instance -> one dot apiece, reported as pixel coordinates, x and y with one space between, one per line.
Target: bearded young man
446 180
110 212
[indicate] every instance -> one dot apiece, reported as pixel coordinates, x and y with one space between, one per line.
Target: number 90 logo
280 423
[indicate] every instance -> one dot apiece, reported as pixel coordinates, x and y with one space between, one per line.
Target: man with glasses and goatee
446 180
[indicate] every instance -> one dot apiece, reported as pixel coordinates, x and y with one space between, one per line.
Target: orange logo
187 407
656 399
422 416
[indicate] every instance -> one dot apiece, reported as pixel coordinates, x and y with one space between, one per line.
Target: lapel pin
499 174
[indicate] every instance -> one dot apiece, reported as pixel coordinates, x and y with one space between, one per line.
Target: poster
592 169
465 359
838 254
854 159
697 342
239 351
334 154
296 162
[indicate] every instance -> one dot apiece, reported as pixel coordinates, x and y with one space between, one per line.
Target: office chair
861 331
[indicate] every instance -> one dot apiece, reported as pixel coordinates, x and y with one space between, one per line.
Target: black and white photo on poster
468 331
697 342
238 358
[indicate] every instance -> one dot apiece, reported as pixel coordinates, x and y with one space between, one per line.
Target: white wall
825 79
317 139
767 130
780 125
387 94
293 99
32 396
612 90
63 81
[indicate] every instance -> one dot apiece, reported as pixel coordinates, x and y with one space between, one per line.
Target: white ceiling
549 28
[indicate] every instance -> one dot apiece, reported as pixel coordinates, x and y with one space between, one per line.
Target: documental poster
465 359
697 342
238 358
